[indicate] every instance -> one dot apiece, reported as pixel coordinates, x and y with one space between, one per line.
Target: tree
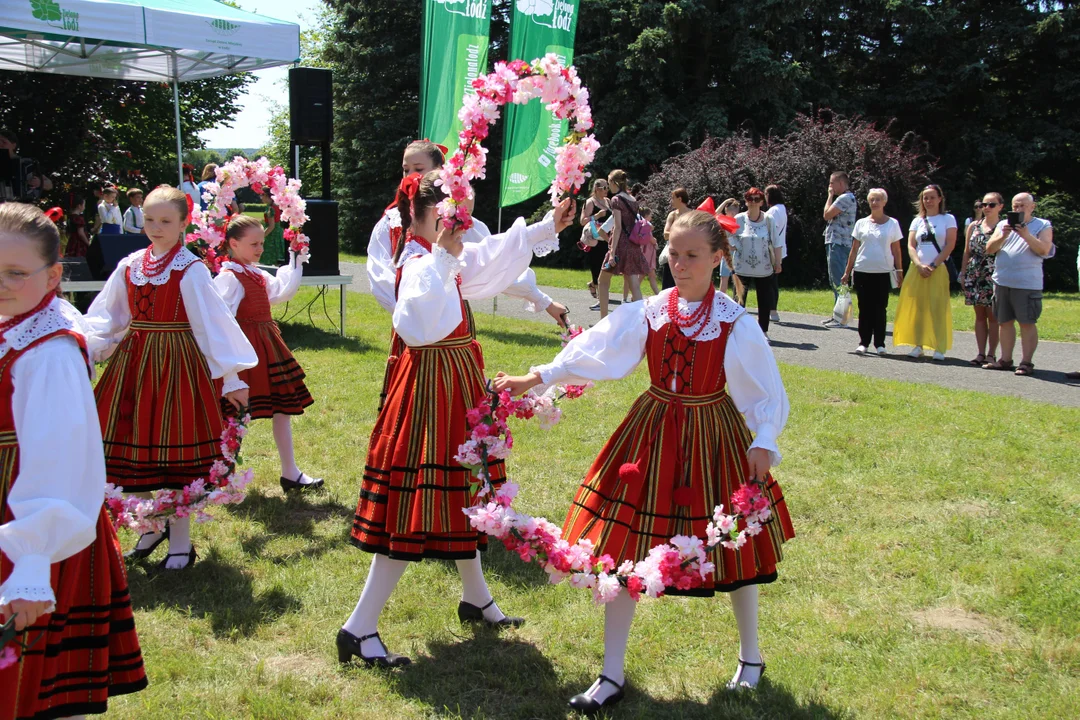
800 162
83 130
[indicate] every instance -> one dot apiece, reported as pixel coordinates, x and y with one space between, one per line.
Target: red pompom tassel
631 474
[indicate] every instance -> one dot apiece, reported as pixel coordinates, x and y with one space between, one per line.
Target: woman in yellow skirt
924 315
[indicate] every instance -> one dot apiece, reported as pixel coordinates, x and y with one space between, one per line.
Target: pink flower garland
238 173
682 563
225 486
519 82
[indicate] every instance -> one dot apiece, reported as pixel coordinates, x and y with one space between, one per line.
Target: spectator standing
209 175
839 214
273 231
875 261
133 217
976 215
624 257
977 276
1020 248
78 239
680 203
730 207
924 316
188 186
777 212
594 213
109 218
755 255
10 166
650 252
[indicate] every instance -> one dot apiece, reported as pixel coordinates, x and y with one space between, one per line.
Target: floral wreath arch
519 82
211 224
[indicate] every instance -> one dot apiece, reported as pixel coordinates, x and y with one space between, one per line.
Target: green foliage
1061 210
82 130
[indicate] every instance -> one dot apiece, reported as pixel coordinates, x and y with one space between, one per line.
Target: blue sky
249 126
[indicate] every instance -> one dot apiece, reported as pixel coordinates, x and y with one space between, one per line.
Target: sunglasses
987 205
755 199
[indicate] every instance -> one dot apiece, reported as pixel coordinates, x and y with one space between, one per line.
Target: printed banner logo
519 178
50 12
554 14
469 8
223 27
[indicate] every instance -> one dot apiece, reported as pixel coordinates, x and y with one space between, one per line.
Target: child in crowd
133 217
650 253
78 241
109 219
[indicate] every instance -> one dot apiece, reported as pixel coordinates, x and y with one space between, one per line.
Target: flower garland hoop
681 563
224 486
240 172
559 88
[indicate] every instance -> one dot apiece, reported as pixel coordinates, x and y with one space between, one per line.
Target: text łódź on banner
533 135
456 38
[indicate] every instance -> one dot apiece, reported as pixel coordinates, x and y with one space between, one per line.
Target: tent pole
179 144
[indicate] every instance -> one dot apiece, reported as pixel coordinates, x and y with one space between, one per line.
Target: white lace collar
393 217
412 249
240 268
181 261
57 315
725 310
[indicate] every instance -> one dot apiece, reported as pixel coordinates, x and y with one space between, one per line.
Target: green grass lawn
934 573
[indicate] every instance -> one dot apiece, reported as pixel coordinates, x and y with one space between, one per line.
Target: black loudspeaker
311 106
322 231
108 250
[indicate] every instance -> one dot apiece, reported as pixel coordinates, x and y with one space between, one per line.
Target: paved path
802 340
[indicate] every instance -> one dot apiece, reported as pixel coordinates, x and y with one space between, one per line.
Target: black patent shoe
287 484
732 685
138 553
588 706
191 555
467 612
348 647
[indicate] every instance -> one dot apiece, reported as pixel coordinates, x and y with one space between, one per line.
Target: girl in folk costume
62 576
686 444
169 335
423 156
276 385
414 491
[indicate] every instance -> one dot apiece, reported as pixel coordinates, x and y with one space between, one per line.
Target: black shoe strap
488 605
605 678
750 664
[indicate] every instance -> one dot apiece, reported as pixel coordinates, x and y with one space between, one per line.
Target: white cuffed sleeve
220 339
109 315
284 286
428 308
754 384
609 350
230 289
495 263
382 274
525 287
58 497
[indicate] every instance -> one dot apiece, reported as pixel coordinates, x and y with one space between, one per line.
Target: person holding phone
1020 243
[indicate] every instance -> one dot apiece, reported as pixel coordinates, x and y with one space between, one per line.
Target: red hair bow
410 184
442 148
190 207
707 206
727 222
55 214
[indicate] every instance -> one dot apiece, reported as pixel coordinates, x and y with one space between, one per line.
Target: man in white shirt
133 217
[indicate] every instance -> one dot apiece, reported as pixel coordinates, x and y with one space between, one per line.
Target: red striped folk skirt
160 414
625 521
413 491
89 651
276 384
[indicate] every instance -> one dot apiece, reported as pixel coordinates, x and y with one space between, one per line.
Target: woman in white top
756 255
924 316
777 212
875 259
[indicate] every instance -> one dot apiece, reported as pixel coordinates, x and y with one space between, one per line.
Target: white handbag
842 310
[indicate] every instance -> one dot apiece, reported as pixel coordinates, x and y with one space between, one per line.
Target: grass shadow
292 514
475 678
212 589
297 332
516 338
499 562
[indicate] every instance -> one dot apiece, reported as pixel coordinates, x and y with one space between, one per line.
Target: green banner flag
533 134
455 53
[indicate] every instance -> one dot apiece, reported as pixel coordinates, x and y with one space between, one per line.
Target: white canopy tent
150 40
